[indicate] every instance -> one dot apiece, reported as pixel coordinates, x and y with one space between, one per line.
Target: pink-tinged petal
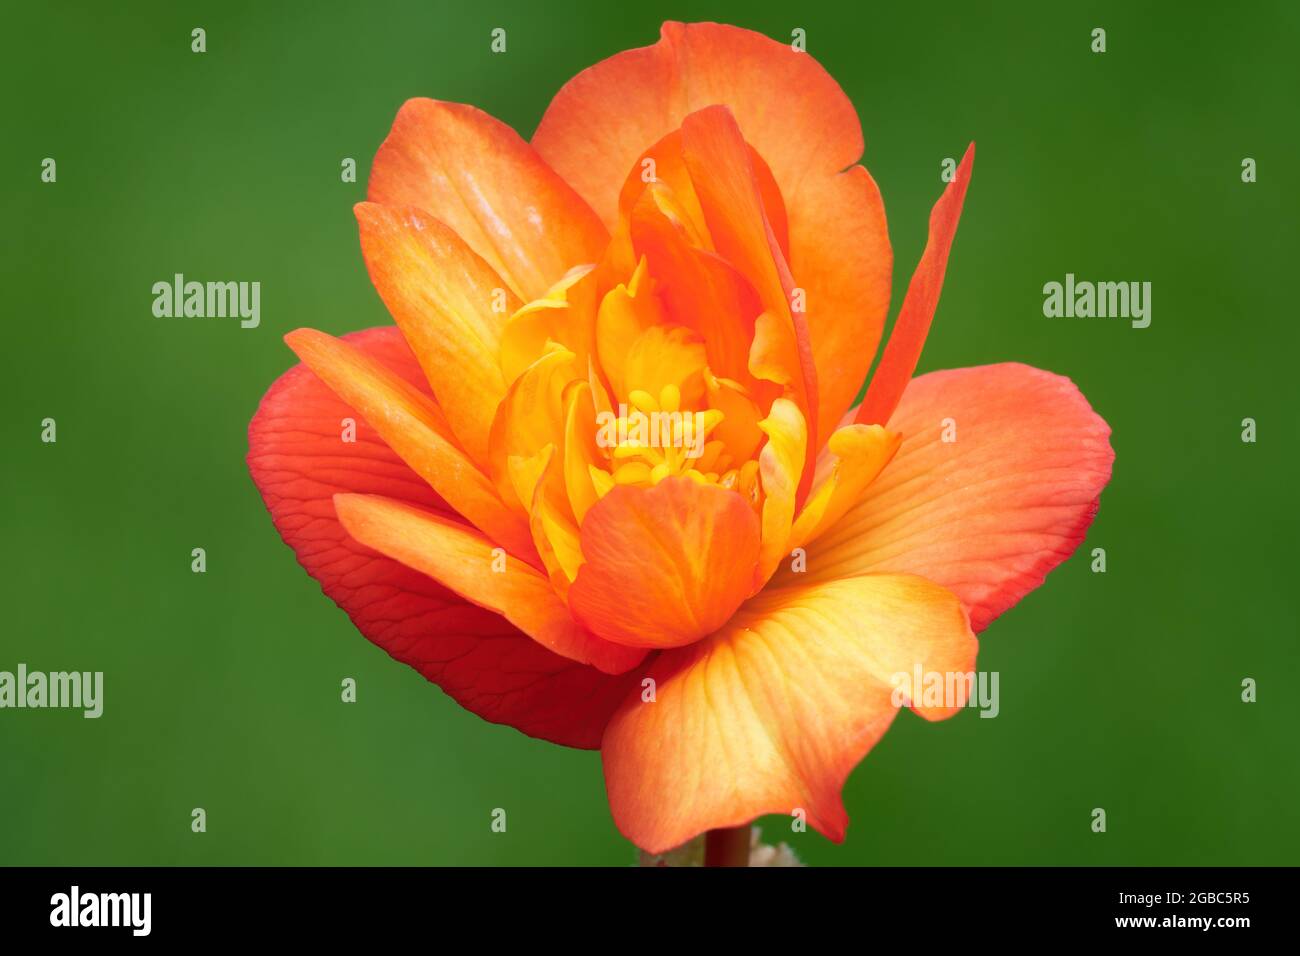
913 326
475 174
990 513
469 564
666 564
771 713
299 462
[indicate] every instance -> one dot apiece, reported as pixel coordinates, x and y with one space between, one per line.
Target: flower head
608 485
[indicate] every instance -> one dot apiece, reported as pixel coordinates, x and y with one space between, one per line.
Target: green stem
727 847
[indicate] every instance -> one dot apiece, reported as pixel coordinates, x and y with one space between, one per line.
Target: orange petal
700 290
840 256
990 513
580 450
539 482
666 564
413 427
913 324
770 714
451 307
476 175
531 416
790 109
799 120
467 563
718 160
857 454
299 461
780 464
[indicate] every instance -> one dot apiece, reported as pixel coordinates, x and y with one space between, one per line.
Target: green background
1119 690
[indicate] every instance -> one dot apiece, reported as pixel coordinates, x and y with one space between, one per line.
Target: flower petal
789 108
412 425
798 119
780 464
840 256
718 159
989 514
770 714
476 175
464 561
913 323
856 455
666 564
299 462
446 301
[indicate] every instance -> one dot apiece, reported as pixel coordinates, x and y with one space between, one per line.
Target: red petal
298 463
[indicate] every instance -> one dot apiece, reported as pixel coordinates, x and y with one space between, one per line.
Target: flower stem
728 846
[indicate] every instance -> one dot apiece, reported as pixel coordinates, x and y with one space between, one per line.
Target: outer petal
476 175
798 119
483 662
463 560
666 565
772 713
987 515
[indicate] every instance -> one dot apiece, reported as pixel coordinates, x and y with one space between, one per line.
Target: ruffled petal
666 564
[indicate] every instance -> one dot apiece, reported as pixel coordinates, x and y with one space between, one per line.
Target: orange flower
607 485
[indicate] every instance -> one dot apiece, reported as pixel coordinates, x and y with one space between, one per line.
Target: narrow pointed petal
913 326
771 713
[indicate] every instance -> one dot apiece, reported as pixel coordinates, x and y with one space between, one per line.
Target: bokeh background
1118 690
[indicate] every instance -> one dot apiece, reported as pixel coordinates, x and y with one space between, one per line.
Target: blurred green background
1119 690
